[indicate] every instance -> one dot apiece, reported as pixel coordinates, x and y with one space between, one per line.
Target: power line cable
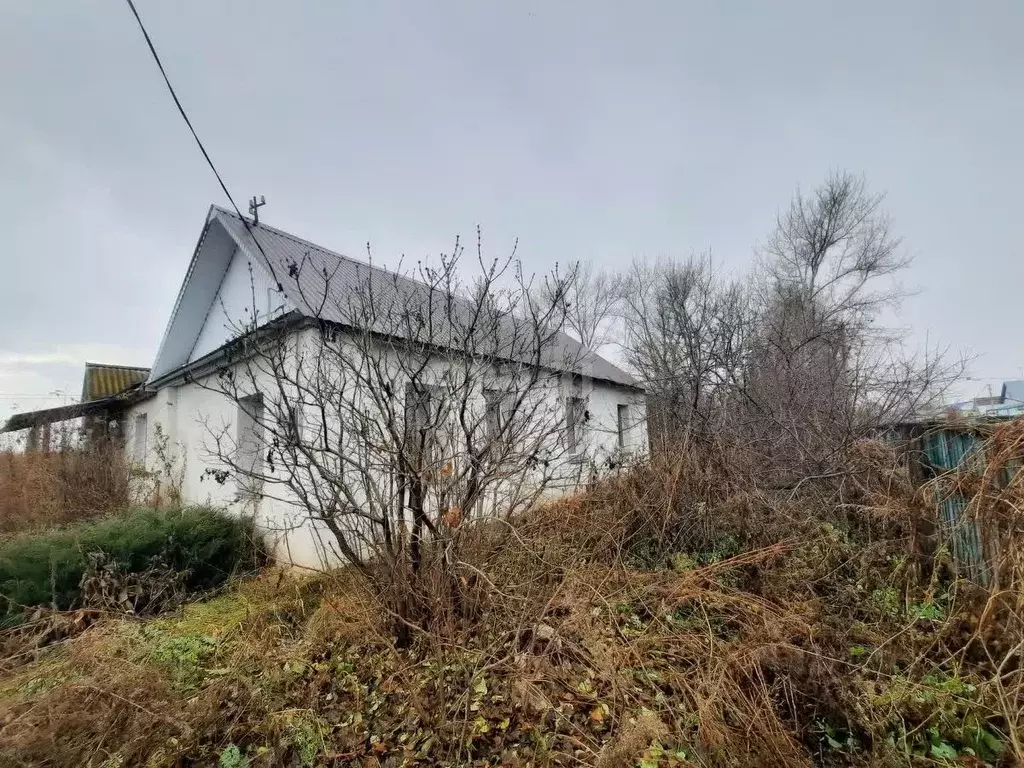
181 109
206 155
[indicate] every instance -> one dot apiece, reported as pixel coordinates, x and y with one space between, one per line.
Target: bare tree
794 364
396 406
592 304
685 331
821 368
832 252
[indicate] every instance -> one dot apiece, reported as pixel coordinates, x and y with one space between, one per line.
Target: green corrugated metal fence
947 450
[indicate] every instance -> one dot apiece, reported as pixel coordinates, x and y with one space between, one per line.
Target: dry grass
674 615
42 490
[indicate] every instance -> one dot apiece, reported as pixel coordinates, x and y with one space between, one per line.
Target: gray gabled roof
326 285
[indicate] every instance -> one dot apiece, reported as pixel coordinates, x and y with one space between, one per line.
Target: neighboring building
1011 399
233 281
109 383
107 393
103 381
1009 402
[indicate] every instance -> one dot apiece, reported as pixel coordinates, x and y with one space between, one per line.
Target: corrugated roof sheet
308 273
103 381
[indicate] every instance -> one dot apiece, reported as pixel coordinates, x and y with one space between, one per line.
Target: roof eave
208 363
210 214
295 320
29 419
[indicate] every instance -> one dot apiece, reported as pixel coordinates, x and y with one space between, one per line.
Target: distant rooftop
1009 402
1013 392
103 381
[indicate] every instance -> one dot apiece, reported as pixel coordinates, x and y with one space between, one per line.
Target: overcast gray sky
592 130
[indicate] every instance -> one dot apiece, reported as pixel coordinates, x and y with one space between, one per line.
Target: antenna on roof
254 208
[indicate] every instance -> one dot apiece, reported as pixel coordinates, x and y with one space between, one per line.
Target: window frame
249 442
496 415
576 417
140 438
622 425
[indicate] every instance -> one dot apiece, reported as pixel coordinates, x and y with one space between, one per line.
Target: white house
243 277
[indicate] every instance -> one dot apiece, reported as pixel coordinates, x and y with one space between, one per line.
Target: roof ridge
391 273
288 235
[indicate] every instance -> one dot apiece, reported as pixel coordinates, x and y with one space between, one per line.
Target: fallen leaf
453 517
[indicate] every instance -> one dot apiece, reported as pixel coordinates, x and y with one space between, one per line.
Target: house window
249 440
575 420
293 426
140 438
495 413
422 413
623 425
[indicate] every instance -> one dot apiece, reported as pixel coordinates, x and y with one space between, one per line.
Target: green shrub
46 569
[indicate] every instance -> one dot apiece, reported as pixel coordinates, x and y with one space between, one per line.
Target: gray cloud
592 130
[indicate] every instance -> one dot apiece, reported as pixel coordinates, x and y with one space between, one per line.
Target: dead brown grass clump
633 738
40 490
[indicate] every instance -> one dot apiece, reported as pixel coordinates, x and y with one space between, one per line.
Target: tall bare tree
833 252
794 364
822 368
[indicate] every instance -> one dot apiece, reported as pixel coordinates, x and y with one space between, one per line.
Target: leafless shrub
401 407
794 365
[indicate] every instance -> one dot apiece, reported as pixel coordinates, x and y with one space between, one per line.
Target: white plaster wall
601 434
192 415
600 450
245 288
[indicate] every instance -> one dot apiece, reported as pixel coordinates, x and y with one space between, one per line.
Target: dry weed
41 490
671 616
633 738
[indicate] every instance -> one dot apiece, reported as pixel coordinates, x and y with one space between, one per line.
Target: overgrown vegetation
674 615
134 562
795 361
39 490
769 588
